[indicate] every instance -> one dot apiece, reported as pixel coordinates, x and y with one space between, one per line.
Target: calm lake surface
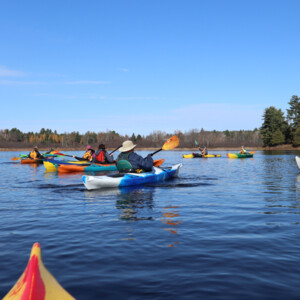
225 229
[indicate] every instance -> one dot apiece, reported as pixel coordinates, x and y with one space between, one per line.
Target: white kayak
298 161
128 179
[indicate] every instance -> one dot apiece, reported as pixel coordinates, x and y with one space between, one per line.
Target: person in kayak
102 156
35 154
88 155
204 151
243 150
137 162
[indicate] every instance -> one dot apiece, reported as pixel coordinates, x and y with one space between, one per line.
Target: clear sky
146 65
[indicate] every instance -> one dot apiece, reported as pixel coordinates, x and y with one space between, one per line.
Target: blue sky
141 66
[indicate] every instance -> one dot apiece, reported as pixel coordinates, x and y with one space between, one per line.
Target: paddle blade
37 282
15 158
158 162
171 143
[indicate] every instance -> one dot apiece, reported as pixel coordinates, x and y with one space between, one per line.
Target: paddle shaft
115 150
156 152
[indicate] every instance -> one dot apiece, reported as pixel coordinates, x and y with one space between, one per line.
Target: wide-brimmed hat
127 146
88 147
35 147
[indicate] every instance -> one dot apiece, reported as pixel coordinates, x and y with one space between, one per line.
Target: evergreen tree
274 127
293 113
296 137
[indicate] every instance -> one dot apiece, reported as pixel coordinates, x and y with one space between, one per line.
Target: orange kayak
31 161
36 282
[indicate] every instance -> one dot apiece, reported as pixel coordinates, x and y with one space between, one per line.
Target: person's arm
109 158
143 163
39 155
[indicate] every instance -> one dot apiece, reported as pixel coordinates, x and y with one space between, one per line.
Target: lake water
225 229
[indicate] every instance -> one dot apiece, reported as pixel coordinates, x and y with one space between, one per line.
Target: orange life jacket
100 157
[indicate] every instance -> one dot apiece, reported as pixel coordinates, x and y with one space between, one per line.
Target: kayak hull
130 179
31 161
198 155
239 155
298 161
92 168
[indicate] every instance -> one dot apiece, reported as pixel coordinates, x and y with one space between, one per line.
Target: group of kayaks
52 163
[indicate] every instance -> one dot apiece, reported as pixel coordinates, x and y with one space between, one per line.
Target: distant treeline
14 138
278 129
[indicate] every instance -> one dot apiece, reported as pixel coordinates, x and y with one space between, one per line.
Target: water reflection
170 218
136 203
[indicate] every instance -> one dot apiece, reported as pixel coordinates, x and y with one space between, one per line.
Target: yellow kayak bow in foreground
36 282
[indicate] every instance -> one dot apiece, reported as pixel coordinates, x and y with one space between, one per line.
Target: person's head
127 146
101 147
88 147
35 148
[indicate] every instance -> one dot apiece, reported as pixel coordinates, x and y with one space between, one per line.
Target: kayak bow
36 282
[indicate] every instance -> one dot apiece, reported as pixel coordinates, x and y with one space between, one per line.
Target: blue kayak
129 179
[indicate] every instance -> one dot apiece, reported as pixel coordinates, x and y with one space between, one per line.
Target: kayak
94 167
129 179
37 282
196 155
298 161
52 164
31 161
67 168
239 155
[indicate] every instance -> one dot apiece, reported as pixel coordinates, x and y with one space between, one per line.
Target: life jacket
87 155
101 157
123 163
33 154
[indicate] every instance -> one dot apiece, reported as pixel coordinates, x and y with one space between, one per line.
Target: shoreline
276 148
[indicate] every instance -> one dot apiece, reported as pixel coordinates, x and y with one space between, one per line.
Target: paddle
115 149
18 158
158 162
170 144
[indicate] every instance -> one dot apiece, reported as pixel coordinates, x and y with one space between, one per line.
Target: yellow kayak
51 164
196 155
36 282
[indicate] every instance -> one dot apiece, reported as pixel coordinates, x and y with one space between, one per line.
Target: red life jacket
100 157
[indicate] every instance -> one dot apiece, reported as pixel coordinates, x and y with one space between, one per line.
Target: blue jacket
137 161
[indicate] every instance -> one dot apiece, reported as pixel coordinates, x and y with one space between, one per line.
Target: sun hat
127 146
35 147
88 147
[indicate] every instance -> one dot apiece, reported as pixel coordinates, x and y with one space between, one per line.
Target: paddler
204 151
102 156
243 150
88 155
137 162
35 154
